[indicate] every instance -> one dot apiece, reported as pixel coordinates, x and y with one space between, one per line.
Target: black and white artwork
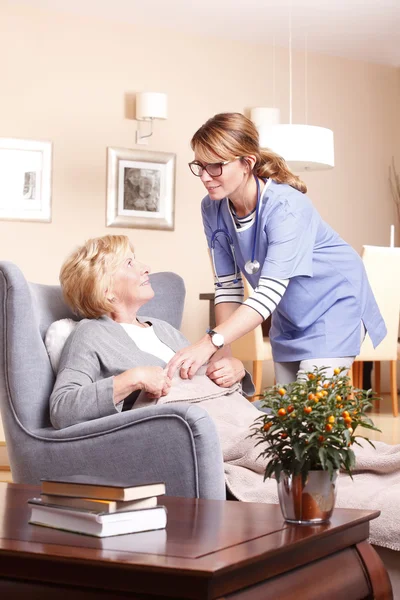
140 189
29 192
25 180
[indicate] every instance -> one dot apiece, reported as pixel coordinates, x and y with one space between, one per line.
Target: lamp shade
151 105
304 147
262 115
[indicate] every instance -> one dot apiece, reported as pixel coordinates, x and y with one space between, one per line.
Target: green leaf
334 455
330 468
352 458
278 470
269 469
322 457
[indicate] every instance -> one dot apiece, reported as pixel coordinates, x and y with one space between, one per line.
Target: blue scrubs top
328 294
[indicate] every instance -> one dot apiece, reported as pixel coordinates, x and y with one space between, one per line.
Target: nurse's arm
222 313
190 359
241 320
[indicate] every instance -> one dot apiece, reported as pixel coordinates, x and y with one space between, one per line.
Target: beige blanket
376 483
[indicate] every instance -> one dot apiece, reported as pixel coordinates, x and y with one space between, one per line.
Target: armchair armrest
177 444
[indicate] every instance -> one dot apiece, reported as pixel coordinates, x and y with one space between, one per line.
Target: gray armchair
174 443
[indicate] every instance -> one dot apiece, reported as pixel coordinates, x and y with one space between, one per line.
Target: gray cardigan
95 351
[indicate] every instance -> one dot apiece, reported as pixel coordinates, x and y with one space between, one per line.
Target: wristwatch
216 338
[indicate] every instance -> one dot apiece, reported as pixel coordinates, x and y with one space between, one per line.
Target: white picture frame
25 180
140 189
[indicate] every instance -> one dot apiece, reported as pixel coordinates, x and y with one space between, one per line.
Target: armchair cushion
56 336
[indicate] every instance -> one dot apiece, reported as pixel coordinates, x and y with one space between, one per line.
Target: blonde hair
229 135
88 273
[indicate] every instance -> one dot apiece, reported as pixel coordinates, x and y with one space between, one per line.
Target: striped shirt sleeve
229 290
267 295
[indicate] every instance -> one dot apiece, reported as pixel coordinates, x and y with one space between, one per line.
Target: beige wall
69 79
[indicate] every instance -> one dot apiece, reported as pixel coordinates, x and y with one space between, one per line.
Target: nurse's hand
189 360
226 371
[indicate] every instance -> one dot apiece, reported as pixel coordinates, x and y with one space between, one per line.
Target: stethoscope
251 266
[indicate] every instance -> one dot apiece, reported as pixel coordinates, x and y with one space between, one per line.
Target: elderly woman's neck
126 316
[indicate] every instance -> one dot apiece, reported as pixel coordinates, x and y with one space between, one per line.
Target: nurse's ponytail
272 165
229 135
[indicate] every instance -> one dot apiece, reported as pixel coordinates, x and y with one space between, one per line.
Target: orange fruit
311 396
281 391
328 427
307 409
336 371
290 409
345 414
281 412
331 419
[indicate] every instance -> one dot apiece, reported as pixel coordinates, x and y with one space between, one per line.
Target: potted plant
306 437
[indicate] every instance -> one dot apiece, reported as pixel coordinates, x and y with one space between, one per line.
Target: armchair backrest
26 311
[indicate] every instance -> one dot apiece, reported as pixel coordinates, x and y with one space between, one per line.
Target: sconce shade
262 115
304 147
151 105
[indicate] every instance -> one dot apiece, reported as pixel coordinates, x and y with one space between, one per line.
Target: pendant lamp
304 147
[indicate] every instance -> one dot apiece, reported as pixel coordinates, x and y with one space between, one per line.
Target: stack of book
94 506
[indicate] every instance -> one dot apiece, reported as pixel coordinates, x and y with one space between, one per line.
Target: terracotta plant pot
307 504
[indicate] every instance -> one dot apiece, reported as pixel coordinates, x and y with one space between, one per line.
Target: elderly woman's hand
153 380
226 371
189 360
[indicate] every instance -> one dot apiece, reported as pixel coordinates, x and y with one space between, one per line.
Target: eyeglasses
213 169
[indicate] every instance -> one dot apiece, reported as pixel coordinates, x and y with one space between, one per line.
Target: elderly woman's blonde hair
86 276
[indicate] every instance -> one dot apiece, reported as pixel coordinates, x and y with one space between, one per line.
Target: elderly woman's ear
109 295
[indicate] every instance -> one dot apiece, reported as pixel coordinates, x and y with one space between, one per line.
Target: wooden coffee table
210 549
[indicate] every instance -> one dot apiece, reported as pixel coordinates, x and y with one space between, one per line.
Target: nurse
260 224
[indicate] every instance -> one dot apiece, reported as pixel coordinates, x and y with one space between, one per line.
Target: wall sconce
149 106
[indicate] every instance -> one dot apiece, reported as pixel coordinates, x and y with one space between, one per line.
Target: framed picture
25 180
140 189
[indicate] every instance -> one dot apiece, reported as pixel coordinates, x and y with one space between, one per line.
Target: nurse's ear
249 162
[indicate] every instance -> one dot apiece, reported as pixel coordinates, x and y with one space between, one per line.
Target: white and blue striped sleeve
267 295
230 289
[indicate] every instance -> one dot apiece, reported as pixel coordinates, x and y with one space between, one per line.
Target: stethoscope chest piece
252 267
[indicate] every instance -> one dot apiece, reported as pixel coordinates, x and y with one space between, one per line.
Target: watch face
218 340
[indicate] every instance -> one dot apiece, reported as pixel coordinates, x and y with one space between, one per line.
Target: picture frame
140 189
25 180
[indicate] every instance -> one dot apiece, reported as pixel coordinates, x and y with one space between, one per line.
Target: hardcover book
98 524
88 486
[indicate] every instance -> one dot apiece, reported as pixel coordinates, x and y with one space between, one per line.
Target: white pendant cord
273 72
306 79
290 63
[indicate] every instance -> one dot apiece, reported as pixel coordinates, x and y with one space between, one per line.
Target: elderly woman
112 355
